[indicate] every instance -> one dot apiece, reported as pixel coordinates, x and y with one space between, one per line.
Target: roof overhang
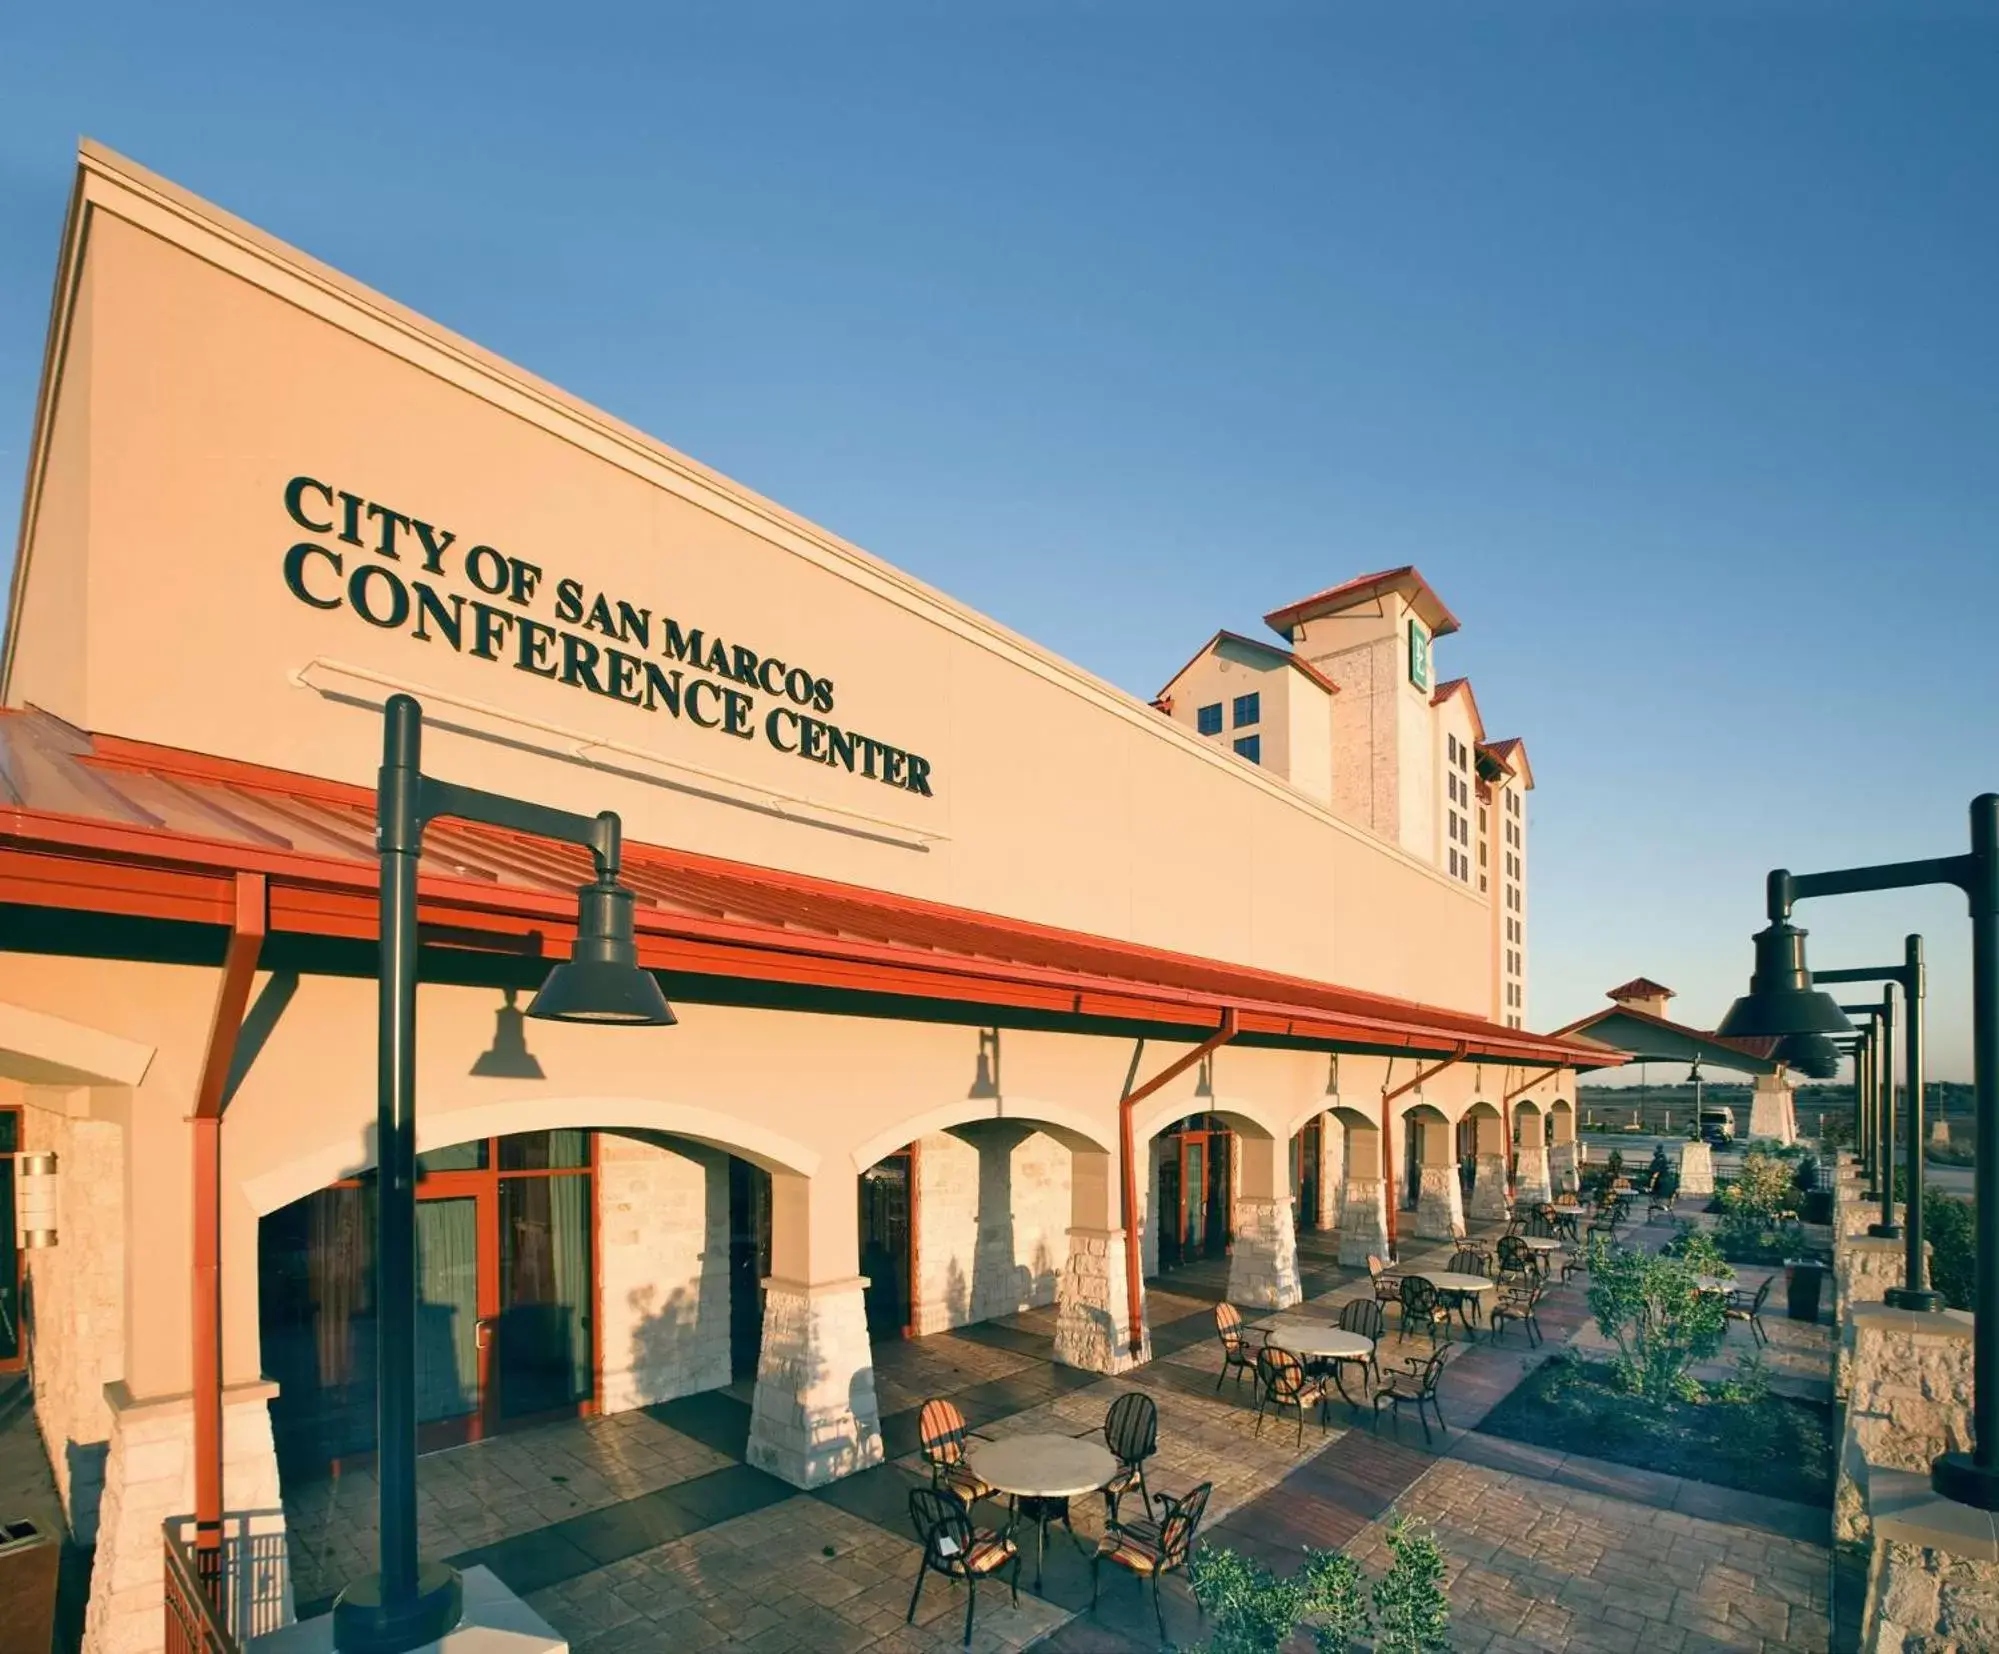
1406 582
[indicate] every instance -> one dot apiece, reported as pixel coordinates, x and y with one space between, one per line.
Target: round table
1041 1474
1322 1341
1463 1287
1541 1243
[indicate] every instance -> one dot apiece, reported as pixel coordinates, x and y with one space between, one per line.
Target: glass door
884 1201
451 1328
749 1263
1171 1245
1194 1186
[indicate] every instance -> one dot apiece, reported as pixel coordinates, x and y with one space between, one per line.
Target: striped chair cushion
1125 1481
960 1480
989 1551
1129 1550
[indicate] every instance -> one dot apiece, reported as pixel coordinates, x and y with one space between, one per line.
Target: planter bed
1775 1445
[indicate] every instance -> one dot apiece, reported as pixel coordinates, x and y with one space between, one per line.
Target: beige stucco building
935 908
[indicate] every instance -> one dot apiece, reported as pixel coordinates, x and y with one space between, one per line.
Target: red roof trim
697 914
1333 599
1641 987
1461 686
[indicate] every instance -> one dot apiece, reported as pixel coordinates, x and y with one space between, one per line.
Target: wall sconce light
35 1199
986 1083
1332 1074
1204 1086
509 1057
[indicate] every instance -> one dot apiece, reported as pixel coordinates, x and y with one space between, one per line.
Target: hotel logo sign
396 572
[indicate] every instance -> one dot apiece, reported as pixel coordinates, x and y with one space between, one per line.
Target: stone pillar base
1263 1268
1440 1208
1562 1168
1488 1190
1934 1576
1363 1223
1530 1176
1908 1399
815 1418
1770 1114
1092 1319
1863 1270
1696 1169
148 1477
495 1619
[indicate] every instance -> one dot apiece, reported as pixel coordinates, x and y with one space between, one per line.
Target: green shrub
1652 1307
1947 1226
1251 1611
1411 1611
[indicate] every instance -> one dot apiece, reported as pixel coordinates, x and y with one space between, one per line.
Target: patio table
1041 1474
1322 1341
1464 1288
1541 1243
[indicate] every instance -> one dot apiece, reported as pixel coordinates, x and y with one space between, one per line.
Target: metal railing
218 1599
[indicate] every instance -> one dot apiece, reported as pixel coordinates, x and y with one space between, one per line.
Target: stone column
1263 1268
1908 1399
1488 1189
1092 1295
1770 1110
1332 1169
1530 1167
1564 1162
814 1417
148 1477
1863 1270
1363 1222
1696 1169
1440 1208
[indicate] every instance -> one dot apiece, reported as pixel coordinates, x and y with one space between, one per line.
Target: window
1251 746
1451 746
1481 818
1209 719
1454 864
1481 884
1248 710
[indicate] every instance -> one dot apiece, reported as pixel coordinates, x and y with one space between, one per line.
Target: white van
1718 1125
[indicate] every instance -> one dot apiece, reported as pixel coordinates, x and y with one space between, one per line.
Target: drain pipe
232 998
1134 1275
1387 1135
1506 1119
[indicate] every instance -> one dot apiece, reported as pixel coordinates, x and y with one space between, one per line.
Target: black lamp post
406 1604
1782 1000
1912 979
1876 1064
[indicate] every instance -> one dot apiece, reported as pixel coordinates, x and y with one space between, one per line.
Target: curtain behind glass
447 1315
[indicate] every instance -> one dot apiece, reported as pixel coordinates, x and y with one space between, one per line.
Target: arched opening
1308 1184
562 1271
1426 1142
1531 1127
1194 1178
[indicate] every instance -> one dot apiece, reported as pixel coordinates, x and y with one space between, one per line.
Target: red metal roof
98 824
1407 579
1640 987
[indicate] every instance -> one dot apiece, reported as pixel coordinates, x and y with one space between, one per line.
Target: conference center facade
996 987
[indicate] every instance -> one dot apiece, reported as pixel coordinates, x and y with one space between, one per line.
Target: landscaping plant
1411 1611
1251 1611
1651 1306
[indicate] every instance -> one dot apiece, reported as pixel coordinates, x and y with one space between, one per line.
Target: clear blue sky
1663 338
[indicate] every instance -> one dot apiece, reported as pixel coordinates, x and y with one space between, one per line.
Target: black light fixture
1969 1478
1781 998
508 1058
1694 1076
407 1603
1204 1082
1332 1073
601 981
1812 1055
985 1083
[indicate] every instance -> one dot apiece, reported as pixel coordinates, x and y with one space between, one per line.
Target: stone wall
1488 1190
663 1271
993 1206
1363 1223
1564 1161
78 1287
1530 1174
1908 1399
149 1478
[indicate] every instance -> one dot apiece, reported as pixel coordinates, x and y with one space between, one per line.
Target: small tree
1412 1612
1766 1186
1654 1309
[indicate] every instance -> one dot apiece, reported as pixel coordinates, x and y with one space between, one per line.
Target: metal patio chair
1131 1432
1418 1385
1743 1306
957 1550
1283 1382
941 1434
1519 1303
1153 1549
1387 1285
1237 1350
1423 1305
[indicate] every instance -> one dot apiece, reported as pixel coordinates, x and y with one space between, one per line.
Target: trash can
1805 1280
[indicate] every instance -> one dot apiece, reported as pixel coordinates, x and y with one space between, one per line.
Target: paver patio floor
647 1531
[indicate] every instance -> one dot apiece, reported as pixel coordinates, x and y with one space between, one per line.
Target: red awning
100 825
